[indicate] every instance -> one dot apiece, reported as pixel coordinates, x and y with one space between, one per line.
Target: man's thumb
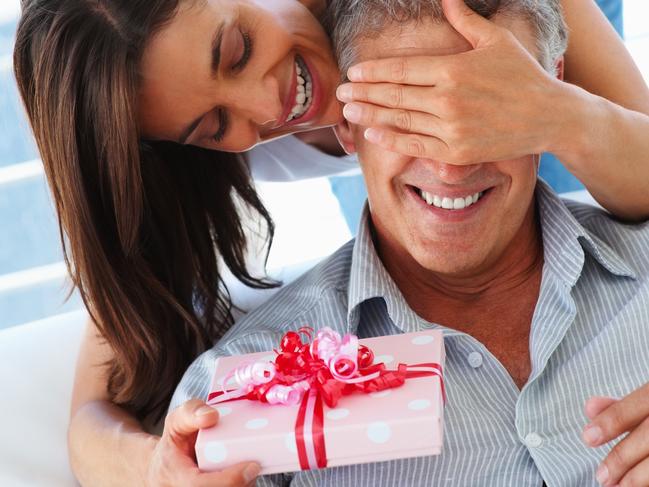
184 422
471 25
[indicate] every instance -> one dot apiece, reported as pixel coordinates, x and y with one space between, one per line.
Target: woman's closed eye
222 117
245 50
242 52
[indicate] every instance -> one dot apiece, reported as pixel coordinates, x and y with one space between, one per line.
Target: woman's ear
345 135
317 7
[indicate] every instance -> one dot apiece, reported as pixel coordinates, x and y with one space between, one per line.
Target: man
542 302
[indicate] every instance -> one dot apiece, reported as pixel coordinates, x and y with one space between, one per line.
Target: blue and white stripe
589 336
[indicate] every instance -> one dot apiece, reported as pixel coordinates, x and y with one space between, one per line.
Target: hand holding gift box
335 401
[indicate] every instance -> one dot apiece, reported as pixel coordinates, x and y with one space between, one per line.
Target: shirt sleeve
290 159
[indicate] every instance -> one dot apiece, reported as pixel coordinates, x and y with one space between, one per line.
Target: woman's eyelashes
223 125
245 54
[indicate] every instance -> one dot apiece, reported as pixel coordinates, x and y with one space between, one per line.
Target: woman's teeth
304 91
450 203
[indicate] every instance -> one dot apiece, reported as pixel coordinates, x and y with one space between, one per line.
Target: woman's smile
227 75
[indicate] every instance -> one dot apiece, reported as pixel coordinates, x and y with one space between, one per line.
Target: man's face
453 242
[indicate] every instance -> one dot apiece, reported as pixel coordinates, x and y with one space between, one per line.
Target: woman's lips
289 102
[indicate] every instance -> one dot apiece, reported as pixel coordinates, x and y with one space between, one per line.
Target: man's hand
628 462
493 102
173 461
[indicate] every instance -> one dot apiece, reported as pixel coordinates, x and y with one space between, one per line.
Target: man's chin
450 262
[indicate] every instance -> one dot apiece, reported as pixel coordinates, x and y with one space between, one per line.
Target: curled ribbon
308 374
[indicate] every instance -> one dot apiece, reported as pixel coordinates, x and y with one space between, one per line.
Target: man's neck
482 296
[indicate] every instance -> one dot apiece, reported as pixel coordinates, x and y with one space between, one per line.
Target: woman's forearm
108 447
607 147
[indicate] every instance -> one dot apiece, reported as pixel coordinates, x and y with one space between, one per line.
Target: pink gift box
402 422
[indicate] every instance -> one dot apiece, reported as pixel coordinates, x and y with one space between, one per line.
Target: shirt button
475 359
533 440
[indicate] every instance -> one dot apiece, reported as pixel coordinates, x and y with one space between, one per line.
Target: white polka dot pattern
338 413
379 432
386 359
387 392
419 404
289 442
423 340
224 410
257 423
215 452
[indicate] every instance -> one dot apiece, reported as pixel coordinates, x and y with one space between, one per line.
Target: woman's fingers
626 455
412 70
388 95
408 144
472 26
403 120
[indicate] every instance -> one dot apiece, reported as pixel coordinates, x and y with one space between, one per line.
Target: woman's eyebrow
216 49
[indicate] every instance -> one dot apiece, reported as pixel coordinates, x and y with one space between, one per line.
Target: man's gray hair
348 21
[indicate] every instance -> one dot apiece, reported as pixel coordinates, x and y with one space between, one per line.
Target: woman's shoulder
291 159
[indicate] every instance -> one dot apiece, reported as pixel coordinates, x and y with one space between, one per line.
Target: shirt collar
564 243
369 279
565 240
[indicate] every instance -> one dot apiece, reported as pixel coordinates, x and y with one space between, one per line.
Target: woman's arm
106 445
109 447
598 131
611 154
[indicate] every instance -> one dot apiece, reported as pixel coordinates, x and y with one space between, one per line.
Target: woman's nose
262 105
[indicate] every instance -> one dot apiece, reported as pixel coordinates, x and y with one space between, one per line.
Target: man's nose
454 174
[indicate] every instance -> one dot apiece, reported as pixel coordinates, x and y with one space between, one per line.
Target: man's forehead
431 37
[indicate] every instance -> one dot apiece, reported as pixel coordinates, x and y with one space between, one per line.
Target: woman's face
228 74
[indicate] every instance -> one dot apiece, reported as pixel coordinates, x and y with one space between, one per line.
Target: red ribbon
295 363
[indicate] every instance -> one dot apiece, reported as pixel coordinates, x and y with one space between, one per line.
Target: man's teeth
304 92
450 203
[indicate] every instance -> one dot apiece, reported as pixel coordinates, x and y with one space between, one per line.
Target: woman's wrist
581 124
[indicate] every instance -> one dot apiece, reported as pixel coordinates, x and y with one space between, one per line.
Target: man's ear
560 67
345 136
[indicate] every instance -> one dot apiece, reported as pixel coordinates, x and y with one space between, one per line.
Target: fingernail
251 472
344 93
602 474
204 410
352 112
592 434
354 73
372 135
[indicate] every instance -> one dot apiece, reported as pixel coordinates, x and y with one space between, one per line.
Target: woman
114 89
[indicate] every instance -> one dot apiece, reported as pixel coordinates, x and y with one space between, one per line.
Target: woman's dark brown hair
145 226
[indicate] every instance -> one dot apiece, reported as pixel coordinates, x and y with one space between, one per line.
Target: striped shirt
589 336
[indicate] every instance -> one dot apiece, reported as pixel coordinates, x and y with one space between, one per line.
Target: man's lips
455 205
